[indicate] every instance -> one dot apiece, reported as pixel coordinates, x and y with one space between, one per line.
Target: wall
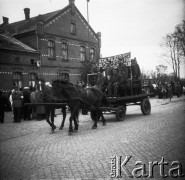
9 65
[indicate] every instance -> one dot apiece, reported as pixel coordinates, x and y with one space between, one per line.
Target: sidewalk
156 101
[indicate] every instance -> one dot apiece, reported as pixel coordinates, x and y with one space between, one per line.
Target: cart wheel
120 113
145 106
93 115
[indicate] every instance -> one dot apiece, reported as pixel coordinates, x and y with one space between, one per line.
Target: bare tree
179 34
161 69
172 56
174 46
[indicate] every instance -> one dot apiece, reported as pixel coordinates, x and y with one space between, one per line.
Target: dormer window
73 28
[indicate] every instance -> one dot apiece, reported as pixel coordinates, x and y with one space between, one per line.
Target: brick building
17 63
63 38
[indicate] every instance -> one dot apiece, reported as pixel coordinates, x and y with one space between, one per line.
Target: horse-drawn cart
118 105
129 93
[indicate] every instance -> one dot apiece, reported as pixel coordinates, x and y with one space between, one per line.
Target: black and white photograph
92 89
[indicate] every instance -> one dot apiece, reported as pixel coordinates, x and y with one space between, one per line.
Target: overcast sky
135 26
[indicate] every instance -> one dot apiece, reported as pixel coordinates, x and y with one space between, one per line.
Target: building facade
18 64
64 39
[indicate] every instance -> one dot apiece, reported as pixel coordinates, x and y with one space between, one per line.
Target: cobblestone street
29 151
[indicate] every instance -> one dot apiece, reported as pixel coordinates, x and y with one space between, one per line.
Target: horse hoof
70 133
94 127
60 128
54 127
75 130
104 124
52 131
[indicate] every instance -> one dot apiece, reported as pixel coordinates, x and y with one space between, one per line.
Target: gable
58 23
60 26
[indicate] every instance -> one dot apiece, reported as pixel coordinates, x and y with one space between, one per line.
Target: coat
3 103
17 99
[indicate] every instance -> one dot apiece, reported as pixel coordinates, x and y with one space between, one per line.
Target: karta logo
139 170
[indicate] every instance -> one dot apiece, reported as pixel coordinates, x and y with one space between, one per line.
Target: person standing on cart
114 82
102 81
123 73
109 74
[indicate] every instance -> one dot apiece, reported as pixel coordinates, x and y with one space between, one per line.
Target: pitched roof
9 43
31 24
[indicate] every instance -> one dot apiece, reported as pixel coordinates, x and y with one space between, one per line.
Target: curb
166 101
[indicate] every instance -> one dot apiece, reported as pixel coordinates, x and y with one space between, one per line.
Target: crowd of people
116 78
15 101
168 89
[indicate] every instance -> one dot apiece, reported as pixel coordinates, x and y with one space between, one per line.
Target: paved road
29 151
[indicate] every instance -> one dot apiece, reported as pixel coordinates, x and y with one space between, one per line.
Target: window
17 59
64 51
32 80
64 76
51 49
73 28
82 53
17 80
32 61
92 54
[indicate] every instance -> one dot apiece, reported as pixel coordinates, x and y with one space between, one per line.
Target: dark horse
79 97
46 96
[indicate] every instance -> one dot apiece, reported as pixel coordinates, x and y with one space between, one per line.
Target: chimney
5 20
99 38
72 4
71 1
27 13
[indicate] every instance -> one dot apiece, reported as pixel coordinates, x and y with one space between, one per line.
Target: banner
114 60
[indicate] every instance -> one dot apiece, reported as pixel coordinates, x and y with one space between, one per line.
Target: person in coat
17 98
136 72
3 106
26 99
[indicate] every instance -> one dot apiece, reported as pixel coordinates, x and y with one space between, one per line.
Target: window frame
32 79
82 53
73 28
92 54
65 50
51 49
18 79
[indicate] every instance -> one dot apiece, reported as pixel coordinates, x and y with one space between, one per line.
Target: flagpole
88 28
87 12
